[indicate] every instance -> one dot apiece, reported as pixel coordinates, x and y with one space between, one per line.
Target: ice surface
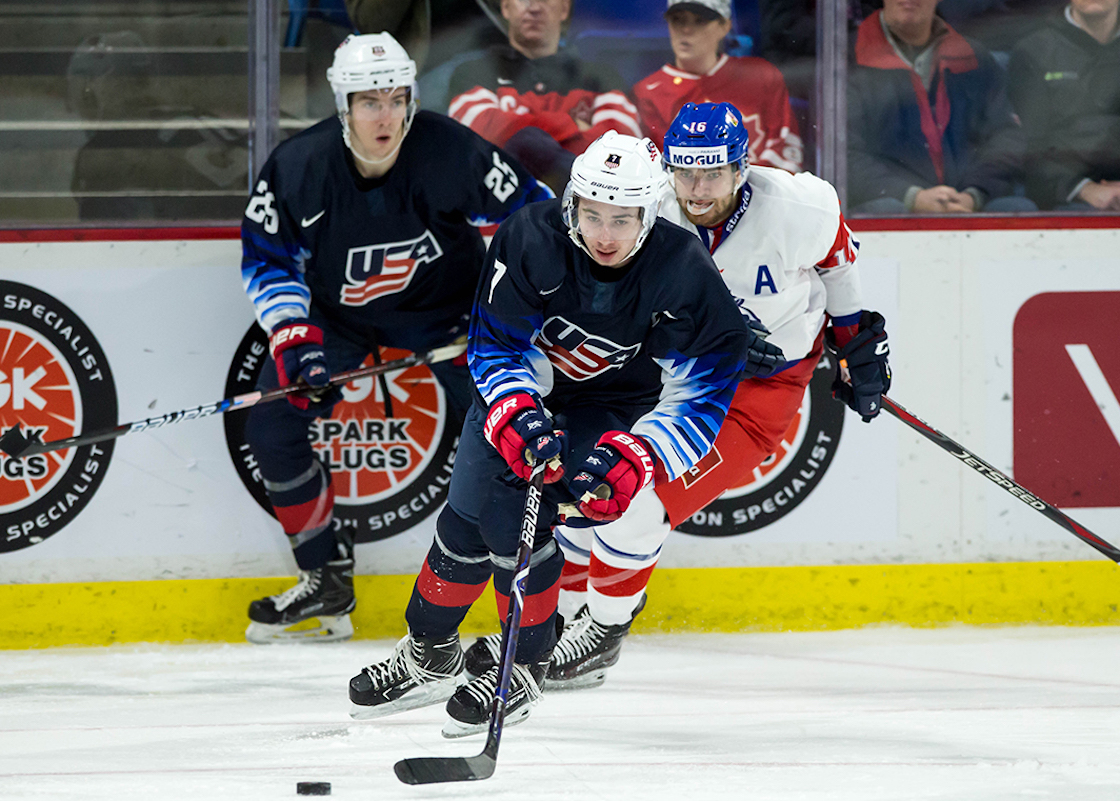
883 713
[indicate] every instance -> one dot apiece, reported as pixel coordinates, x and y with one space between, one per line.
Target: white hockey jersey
786 254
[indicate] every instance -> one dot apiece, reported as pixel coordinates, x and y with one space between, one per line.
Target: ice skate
586 650
470 707
316 609
483 654
421 671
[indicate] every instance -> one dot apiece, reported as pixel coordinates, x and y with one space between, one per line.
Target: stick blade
436 770
14 443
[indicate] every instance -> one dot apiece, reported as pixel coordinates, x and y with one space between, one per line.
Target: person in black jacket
1065 84
930 127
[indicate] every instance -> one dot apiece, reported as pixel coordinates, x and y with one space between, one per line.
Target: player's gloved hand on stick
865 357
762 358
297 349
622 463
520 431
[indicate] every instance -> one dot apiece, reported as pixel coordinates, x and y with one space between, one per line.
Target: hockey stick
430 770
1000 480
15 444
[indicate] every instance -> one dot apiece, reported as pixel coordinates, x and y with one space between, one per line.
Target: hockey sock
614 590
576 545
537 635
304 506
444 591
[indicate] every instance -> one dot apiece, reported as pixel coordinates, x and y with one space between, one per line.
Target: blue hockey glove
623 464
297 349
865 357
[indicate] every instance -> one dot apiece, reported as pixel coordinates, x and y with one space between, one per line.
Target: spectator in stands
408 21
1065 84
930 127
702 73
536 100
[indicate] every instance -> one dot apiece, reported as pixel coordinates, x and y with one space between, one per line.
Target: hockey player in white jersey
784 250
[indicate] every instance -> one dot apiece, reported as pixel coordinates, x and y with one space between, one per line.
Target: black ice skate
483 654
586 650
420 672
324 596
471 705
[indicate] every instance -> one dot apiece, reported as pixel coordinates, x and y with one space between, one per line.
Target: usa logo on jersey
578 354
377 270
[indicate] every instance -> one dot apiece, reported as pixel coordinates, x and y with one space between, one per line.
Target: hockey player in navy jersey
602 341
362 231
785 252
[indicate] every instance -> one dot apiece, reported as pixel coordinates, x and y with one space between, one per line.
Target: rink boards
1003 339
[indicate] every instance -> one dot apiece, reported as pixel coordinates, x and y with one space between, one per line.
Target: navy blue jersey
398 256
661 336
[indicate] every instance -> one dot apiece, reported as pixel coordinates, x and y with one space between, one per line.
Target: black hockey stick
430 770
1000 480
15 444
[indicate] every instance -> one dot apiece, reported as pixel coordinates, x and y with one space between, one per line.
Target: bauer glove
297 349
522 434
621 463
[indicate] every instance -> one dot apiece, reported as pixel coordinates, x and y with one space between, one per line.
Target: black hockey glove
865 358
761 357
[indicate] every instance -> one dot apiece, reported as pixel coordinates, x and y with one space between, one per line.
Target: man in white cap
702 73
362 232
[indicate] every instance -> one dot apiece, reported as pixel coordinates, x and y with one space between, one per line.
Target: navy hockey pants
478 530
299 484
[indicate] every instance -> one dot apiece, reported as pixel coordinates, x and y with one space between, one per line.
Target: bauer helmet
370 61
708 135
620 170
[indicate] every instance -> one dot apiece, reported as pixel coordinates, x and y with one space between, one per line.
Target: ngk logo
54 381
21 390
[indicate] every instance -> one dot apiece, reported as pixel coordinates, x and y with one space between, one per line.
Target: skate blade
329 629
585 682
425 695
454 729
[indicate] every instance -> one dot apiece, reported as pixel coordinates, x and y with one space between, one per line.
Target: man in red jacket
539 102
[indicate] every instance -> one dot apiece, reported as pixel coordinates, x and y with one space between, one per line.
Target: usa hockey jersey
786 253
397 256
661 336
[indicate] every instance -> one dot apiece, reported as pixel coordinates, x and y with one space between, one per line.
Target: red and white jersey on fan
752 85
788 255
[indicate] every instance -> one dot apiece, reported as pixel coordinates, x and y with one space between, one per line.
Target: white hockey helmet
621 170
370 61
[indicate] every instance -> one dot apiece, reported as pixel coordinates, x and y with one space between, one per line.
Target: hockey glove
865 357
297 349
521 433
761 357
620 462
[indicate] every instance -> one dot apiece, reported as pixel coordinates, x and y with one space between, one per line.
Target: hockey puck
313 788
